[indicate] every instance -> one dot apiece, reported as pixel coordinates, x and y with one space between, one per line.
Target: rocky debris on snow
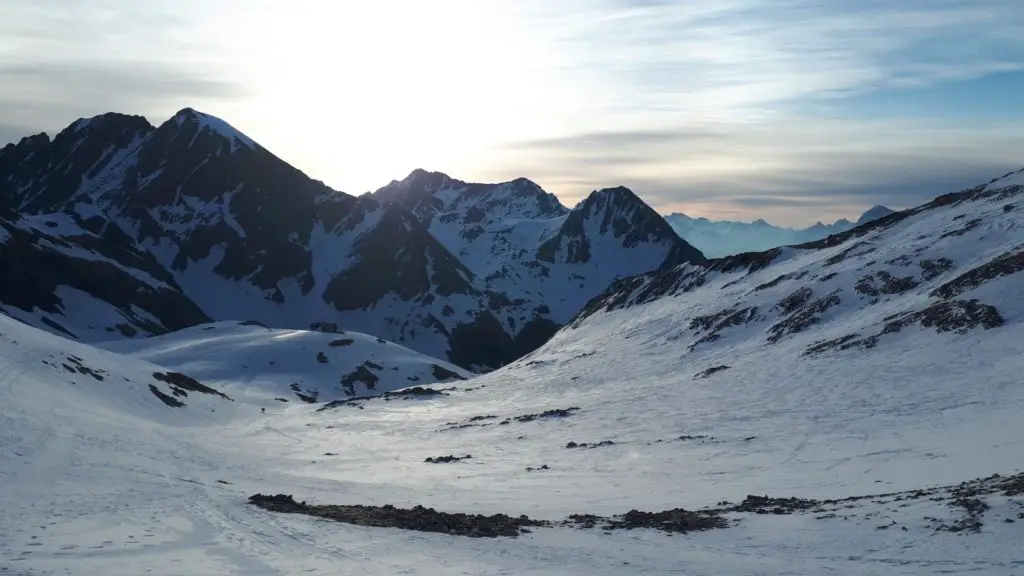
698 438
361 374
571 445
779 279
78 365
327 327
553 413
307 396
403 394
857 249
709 371
253 323
701 437
340 342
543 467
794 301
802 316
321 358
179 383
447 459
281 399
478 421
970 225
676 520
418 518
883 282
767 505
166 399
842 343
960 316
715 323
1003 265
968 499
932 269
901 261
443 374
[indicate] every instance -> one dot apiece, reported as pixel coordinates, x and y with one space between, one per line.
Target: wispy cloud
65 59
744 108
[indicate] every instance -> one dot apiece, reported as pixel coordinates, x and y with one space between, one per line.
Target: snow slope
95 484
246 358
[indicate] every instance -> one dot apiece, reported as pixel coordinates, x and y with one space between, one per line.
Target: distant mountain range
117 228
718 238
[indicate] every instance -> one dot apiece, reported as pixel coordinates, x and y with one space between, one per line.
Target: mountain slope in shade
85 278
724 237
241 234
895 450
529 247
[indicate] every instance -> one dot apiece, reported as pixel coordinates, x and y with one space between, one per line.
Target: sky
789 110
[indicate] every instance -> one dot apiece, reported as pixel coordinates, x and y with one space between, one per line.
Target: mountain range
849 405
718 238
118 228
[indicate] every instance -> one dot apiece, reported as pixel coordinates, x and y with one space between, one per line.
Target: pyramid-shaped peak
874 213
211 123
609 197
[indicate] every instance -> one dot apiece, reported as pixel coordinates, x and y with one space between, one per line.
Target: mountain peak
207 122
110 127
874 213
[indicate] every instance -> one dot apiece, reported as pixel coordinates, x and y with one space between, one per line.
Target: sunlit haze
791 111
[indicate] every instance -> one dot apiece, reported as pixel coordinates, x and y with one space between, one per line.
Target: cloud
797 169
67 59
746 108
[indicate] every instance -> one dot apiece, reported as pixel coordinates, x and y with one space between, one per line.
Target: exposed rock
960 316
806 316
590 444
931 269
883 282
168 400
709 371
1003 265
307 396
970 225
794 301
362 375
720 321
443 374
328 327
183 382
447 459
418 518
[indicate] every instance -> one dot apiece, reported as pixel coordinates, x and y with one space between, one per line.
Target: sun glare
362 92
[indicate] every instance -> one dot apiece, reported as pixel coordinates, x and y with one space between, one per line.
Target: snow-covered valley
883 362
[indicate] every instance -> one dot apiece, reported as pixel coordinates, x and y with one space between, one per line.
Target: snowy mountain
196 209
530 248
847 406
294 365
718 238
